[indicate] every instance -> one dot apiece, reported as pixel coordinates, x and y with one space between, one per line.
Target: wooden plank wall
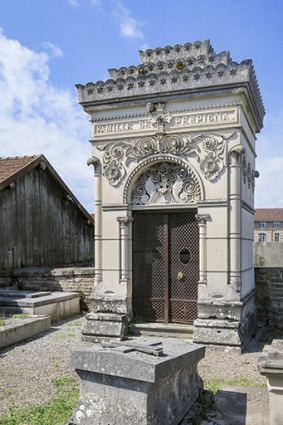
40 226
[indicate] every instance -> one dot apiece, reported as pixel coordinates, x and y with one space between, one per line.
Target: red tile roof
12 165
268 214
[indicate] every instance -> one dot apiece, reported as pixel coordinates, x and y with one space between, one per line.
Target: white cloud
74 3
129 27
52 49
95 2
269 163
36 117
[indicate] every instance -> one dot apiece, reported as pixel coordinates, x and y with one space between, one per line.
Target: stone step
162 329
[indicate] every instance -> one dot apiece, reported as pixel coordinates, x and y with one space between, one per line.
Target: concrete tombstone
173 150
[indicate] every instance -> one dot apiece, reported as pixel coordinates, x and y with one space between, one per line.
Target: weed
2 320
74 324
21 316
180 66
215 383
61 382
56 412
137 319
7 392
142 71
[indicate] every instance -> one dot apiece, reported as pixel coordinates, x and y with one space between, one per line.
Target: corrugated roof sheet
268 214
12 165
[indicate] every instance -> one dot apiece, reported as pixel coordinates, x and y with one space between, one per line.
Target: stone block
124 385
270 364
104 325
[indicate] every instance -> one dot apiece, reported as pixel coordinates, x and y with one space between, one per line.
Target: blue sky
47 46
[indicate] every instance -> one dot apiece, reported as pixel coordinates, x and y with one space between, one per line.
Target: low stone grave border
21 329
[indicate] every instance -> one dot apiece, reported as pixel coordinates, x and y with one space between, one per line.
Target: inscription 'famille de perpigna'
188 120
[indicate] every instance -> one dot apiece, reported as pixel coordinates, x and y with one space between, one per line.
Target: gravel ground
27 368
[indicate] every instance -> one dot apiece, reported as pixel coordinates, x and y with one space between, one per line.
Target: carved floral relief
213 163
165 183
207 149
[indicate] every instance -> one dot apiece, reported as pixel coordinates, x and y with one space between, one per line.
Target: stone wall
268 263
69 279
269 295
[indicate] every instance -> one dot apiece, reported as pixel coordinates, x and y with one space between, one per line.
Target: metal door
165 266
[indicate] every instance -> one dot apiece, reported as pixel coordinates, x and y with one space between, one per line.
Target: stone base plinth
270 364
126 386
104 326
225 334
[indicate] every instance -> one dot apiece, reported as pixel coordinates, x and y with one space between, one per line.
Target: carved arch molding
206 149
165 183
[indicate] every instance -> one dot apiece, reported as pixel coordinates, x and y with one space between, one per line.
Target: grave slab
140 381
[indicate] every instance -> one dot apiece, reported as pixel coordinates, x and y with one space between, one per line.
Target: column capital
96 165
235 155
124 221
202 218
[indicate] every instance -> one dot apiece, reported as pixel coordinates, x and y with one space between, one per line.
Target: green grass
214 384
21 316
57 411
62 382
2 320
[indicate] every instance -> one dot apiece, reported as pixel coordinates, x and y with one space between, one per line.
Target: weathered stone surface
105 325
54 304
13 333
222 334
120 386
67 279
270 364
269 294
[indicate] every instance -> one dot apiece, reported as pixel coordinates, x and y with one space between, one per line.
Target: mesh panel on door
184 274
148 266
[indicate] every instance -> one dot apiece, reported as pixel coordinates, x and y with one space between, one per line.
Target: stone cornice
171 70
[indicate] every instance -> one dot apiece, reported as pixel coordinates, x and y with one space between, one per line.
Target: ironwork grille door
165 266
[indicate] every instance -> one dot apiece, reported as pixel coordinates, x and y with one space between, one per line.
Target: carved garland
182 146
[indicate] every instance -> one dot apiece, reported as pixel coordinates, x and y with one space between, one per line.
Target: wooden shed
41 221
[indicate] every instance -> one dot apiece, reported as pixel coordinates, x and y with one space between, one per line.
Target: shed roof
12 165
268 214
12 168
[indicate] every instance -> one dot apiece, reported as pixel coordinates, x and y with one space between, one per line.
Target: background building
268 225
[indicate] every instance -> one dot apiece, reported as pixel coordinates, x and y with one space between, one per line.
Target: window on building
262 237
277 224
262 224
276 237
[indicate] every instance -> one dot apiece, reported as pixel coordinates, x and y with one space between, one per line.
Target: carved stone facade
181 139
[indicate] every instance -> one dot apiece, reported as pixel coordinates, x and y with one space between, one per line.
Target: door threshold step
162 329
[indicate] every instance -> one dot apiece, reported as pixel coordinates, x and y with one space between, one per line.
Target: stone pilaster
235 161
97 220
124 223
202 219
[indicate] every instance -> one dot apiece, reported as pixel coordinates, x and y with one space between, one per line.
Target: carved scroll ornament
165 183
210 157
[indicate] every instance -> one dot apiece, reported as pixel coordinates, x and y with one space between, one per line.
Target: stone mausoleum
173 150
